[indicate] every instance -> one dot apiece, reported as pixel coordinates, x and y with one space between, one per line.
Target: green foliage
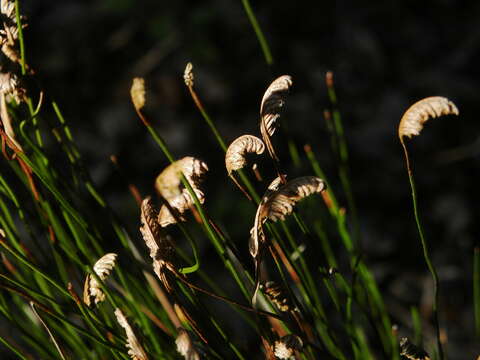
56 225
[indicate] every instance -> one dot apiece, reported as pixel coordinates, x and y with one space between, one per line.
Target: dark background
385 55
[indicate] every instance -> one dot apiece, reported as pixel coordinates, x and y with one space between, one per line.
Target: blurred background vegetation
385 55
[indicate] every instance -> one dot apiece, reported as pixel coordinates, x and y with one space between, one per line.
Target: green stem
221 142
258 32
20 37
344 171
426 252
12 348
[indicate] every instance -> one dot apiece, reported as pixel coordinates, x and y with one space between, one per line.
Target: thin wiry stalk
426 252
13 348
344 170
59 349
258 32
213 128
20 37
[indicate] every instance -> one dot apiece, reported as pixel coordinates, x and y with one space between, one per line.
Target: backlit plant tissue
252 256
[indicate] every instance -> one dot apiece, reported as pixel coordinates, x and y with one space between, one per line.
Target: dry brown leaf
270 107
277 203
135 350
169 185
239 148
257 236
92 289
150 228
160 247
281 202
179 205
416 115
137 93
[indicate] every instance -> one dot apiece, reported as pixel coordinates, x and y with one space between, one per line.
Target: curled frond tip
239 148
416 115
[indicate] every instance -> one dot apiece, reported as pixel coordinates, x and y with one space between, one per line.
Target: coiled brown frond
281 202
270 107
239 148
179 205
135 350
92 289
169 185
409 351
287 345
150 229
416 115
161 249
257 236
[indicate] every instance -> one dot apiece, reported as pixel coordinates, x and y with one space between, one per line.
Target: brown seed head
188 75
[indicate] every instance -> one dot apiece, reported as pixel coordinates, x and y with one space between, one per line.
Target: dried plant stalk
270 107
412 121
135 350
52 337
239 148
92 289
